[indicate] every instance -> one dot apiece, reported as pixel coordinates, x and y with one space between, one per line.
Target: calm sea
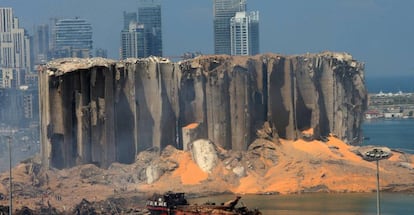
322 203
394 133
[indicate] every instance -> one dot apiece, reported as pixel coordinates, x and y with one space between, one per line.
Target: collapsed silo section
80 104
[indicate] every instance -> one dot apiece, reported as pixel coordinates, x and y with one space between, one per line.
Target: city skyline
376 32
224 11
142 33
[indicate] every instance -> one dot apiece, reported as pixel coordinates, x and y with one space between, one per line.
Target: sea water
393 133
322 203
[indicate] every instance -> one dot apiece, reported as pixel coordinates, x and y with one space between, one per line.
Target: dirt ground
282 168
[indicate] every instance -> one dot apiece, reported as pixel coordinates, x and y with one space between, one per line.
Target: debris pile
280 166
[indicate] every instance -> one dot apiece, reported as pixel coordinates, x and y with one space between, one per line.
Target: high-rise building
245 33
15 59
72 38
133 41
19 106
132 37
129 17
41 44
224 10
149 14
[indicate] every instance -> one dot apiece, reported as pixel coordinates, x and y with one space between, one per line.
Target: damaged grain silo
102 111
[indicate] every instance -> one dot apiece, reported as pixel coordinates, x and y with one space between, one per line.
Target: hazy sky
377 32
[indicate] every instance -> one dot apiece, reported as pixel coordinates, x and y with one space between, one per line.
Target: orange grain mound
314 147
303 165
308 131
191 126
188 170
396 157
248 184
344 149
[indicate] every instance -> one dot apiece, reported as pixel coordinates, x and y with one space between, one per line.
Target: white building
244 32
133 41
393 115
14 50
223 11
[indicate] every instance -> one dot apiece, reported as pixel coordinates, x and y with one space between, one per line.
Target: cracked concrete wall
324 91
156 88
101 111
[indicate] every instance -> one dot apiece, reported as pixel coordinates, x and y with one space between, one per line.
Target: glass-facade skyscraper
41 44
133 41
128 18
72 38
132 37
244 29
149 14
224 10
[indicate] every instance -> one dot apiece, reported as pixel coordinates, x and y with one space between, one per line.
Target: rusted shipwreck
176 204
